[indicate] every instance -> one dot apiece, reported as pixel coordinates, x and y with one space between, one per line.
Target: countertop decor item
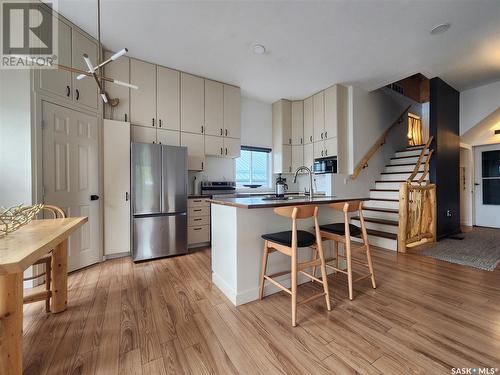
11 219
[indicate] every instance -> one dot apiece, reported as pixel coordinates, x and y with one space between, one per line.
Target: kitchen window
252 167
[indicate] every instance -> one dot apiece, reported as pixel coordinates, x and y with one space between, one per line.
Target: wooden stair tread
391 190
401 165
384 199
412 148
388 210
404 157
378 221
392 181
377 233
399 172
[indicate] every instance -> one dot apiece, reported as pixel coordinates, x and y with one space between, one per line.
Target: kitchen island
237 227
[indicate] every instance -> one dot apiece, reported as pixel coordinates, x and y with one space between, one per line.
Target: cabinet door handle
68 91
154 142
321 152
221 151
221 131
125 117
321 135
197 219
300 140
126 196
159 123
77 94
226 150
289 141
152 122
202 128
197 228
326 152
326 134
226 132
289 169
197 210
201 165
310 138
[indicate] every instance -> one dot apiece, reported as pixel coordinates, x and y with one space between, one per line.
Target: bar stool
46 260
288 243
342 232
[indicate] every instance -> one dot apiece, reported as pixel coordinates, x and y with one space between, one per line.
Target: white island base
237 249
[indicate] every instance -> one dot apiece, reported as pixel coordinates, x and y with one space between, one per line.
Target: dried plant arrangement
11 219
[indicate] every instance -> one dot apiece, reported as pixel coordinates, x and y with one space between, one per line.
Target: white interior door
70 176
487 186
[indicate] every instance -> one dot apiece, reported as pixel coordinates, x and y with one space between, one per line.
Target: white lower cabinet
142 134
198 222
297 157
195 144
168 137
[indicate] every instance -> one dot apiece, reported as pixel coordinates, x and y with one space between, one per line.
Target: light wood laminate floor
165 317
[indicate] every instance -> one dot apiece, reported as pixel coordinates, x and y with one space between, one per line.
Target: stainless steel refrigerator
159 200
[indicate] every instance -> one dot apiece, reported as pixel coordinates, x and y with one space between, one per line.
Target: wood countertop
265 202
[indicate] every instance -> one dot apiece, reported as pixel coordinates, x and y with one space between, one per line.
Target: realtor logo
29 34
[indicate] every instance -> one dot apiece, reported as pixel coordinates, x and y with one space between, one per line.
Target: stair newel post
433 226
403 217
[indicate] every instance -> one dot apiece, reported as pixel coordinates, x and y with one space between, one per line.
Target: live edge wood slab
18 251
262 202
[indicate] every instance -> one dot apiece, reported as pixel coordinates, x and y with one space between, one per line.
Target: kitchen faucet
304 168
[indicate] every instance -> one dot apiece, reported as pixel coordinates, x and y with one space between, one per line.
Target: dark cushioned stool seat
339 228
304 238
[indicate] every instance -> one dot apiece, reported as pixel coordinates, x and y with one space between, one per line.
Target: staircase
381 211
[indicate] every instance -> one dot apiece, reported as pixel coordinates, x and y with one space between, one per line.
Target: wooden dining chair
56 213
288 243
342 232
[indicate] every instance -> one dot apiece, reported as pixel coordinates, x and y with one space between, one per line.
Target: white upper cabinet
168 98
142 134
331 104
309 155
120 70
282 136
214 108
192 104
297 123
59 81
84 90
232 147
168 137
331 147
143 100
232 111
319 116
319 149
214 145
308 121
195 144
287 159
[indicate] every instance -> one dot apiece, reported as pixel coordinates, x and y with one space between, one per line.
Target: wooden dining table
18 251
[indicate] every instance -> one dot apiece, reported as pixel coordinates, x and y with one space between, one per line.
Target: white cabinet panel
309 155
196 150
319 149
120 70
168 98
331 112
84 90
287 159
142 134
143 100
214 108
168 137
308 121
297 157
232 111
331 147
59 81
232 147
192 104
116 146
297 123
214 145
319 115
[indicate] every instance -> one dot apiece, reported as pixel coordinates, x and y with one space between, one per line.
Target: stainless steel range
210 188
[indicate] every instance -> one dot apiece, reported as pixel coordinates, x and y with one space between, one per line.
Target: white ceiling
310 44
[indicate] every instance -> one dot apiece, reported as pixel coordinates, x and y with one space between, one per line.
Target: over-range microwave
325 165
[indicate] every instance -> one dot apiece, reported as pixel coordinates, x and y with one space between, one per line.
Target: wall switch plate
448 213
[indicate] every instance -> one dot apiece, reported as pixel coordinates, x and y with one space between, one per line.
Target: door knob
476 184
94 197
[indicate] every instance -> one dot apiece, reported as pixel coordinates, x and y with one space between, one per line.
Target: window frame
267 184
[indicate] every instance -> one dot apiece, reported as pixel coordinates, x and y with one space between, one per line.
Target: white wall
15 138
256 130
476 104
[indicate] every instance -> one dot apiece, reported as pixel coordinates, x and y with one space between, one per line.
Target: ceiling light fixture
441 28
259 49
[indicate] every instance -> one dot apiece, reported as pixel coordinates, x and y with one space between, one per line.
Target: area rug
480 248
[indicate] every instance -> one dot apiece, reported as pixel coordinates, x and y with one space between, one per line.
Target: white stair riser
403 168
401 154
383 204
384 194
398 176
384 243
404 161
381 215
377 226
388 185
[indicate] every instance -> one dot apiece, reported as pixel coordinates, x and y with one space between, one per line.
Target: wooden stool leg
294 287
324 276
336 254
11 324
48 276
315 256
265 254
349 265
370 265
60 277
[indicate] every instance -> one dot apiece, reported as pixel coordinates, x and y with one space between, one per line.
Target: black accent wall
445 163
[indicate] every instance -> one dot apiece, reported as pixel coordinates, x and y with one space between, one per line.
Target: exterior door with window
487 186
70 176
